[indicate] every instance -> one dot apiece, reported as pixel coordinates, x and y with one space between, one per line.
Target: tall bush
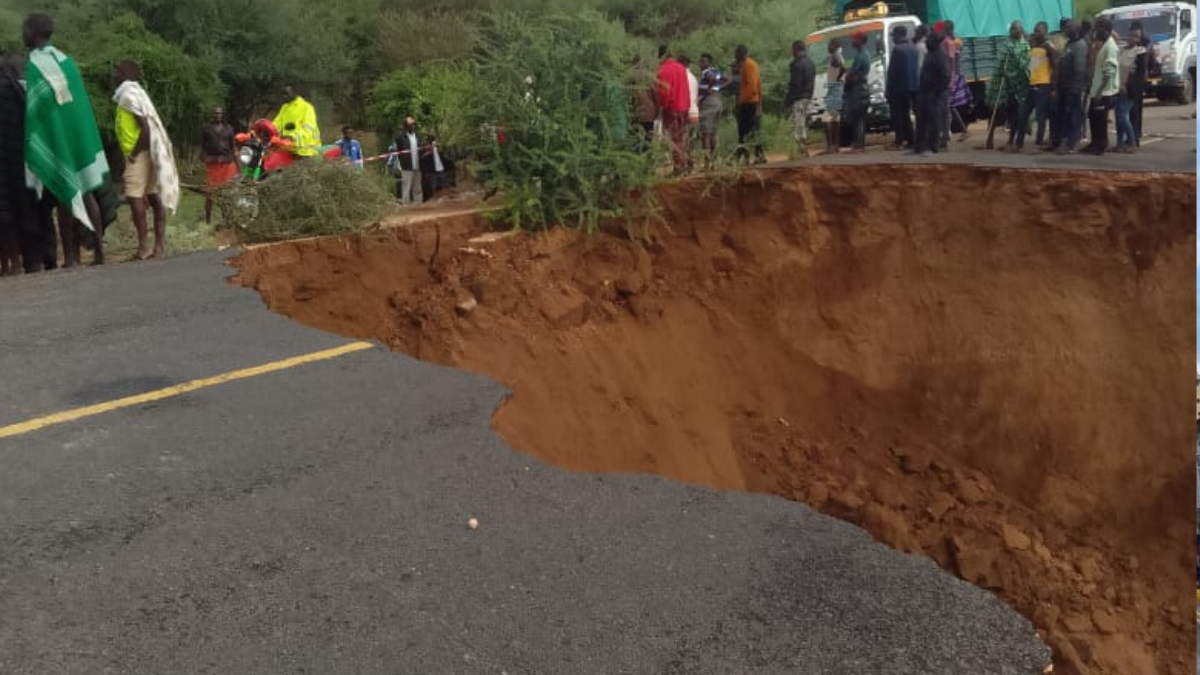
438 95
555 90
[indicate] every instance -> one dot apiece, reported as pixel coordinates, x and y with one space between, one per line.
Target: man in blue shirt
903 83
351 149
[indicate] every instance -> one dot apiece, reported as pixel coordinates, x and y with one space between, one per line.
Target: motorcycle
260 152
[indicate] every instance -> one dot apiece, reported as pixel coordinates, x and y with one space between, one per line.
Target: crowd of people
1060 88
56 187
1075 77
52 161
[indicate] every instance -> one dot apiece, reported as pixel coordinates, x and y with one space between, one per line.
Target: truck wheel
1183 94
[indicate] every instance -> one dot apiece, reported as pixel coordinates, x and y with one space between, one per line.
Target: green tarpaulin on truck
982 18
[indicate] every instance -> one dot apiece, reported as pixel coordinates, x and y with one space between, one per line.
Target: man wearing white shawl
151 179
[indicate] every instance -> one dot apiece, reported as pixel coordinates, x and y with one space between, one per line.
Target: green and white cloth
63 153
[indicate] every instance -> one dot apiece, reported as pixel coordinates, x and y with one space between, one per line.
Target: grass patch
186 230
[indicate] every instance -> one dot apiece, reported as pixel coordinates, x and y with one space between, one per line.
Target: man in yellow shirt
1041 69
151 179
749 106
297 120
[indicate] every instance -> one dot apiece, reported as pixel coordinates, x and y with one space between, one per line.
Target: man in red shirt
674 100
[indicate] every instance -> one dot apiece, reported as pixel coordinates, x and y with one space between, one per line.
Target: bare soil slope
988 366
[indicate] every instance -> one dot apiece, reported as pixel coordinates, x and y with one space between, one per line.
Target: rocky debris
466 305
1104 621
940 505
564 309
1015 539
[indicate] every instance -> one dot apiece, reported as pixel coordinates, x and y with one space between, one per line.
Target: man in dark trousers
903 83
858 95
749 105
1071 81
1105 85
26 229
931 99
799 94
408 148
674 100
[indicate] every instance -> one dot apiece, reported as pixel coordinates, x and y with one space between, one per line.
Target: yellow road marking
178 389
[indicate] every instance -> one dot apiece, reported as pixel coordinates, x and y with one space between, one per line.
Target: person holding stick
1014 85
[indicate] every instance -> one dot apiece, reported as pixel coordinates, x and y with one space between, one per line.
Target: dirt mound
988 366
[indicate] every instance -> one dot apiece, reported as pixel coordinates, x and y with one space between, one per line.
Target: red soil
1004 388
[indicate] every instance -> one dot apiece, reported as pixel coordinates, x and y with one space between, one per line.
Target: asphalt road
313 520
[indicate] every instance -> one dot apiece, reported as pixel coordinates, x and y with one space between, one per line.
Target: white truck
879 48
1171 26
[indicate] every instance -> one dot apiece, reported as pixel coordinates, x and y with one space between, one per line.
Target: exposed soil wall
988 366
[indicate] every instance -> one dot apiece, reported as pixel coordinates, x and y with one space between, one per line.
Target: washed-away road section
300 505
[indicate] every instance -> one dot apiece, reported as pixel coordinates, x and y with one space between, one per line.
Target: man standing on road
298 119
1146 63
960 91
1130 88
1070 81
936 75
20 213
903 83
674 99
217 146
150 175
1037 104
749 108
408 149
835 97
711 107
63 153
1105 86
1014 84
693 114
799 94
858 94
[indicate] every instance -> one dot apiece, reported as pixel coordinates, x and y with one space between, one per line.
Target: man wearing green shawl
63 154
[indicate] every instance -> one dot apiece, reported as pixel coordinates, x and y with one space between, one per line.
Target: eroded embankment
988 366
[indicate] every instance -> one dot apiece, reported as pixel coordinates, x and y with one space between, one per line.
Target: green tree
183 88
562 108
438 95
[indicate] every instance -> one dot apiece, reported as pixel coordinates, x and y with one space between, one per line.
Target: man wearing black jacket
408 148
932 97
1146 63
903 83
26 229
1071 81
800 93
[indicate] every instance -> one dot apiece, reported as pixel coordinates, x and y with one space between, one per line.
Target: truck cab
1171 26
879 48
